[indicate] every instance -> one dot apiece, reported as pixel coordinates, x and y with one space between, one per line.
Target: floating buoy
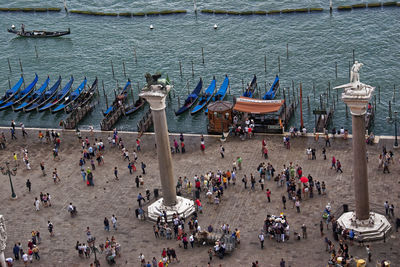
151 27
13 26
215 26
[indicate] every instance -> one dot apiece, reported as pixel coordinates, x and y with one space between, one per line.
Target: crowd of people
211 186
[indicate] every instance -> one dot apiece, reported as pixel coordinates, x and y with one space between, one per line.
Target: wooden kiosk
219 116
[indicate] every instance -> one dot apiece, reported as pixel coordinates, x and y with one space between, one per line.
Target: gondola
21 95
120 97
39 34
272 91
35 96
71 98
221 93
191 99
205 98
12 92
45 98
251 88
59 96
83 99
135 107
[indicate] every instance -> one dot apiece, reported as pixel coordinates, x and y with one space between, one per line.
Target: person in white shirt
70 207
37 204
114 221
309 153
191 240
25 259
141 258
261 238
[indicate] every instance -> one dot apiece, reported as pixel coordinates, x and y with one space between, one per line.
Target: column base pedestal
371 229
184 207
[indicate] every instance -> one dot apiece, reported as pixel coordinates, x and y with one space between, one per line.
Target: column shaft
2 259
360 172
164 157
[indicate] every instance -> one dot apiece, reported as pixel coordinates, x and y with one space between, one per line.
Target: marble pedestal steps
184 207
372 229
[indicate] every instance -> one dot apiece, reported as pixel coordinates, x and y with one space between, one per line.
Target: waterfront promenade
240 208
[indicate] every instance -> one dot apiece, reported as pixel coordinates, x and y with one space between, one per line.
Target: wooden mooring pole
123 65
394 93
134 53
265 63
180 67
336 70
379 94
287 50
301 107
104 92
202 54
112 69
192 69
390 109
353 57
20 65
9 65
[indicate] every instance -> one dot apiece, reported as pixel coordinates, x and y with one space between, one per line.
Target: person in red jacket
269 195
333 163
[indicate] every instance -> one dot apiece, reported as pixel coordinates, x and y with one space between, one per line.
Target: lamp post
394 121
93 247
6 171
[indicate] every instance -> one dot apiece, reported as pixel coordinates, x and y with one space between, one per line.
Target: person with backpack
222 151
143 167
50 227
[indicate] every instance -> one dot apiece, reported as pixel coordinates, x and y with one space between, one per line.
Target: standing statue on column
355 75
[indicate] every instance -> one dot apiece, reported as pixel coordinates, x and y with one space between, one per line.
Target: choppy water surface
237 48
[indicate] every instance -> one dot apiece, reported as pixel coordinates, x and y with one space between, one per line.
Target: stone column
2 260
3 239
358 107
360 173
367 225
156 100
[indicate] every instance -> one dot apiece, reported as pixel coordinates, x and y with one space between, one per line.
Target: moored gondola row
77 103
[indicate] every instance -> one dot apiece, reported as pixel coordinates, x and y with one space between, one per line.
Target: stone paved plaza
239 208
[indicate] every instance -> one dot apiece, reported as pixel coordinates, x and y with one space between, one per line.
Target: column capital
357 97
156 95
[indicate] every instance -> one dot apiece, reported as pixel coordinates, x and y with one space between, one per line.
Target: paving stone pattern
239 208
